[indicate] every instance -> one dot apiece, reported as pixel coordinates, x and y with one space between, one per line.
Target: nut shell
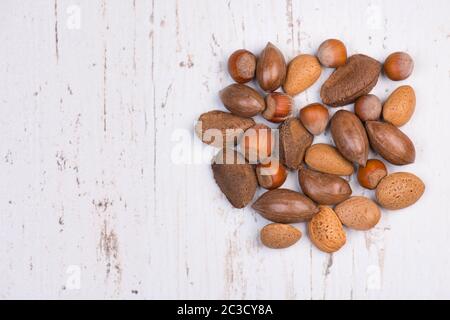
398 66
271 175
370 175
294 140
257 144
303 71
332 53
392 144
278 107
242 100
229 127
399 107
327 159
325 230
235 178
368 107
399 190
279 236
350 137
359 213
271 68
350 81
242 66
323 188
285 206
314 117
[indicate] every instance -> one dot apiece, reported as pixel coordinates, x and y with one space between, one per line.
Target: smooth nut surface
242 66
257 143
314 117
327 159
332 53
303 71
391 143
279 236
399 190
398 66
270 68
359 213
278 107
368 107
242 100
400 105
271 175
325 230
285 206
350 137
370 175
323 188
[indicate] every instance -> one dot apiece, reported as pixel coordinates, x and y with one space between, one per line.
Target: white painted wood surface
91 203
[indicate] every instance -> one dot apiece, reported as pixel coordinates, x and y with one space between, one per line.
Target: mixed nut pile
253 154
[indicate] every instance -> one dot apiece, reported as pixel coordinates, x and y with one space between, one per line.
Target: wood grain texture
92 203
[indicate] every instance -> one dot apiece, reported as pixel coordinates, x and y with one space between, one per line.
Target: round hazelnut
368 107
370 175
257 143
314 117
271 175
278 107
242 66
398 66
332 53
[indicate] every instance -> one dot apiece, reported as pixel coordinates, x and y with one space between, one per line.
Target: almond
302 72
285 206
350 81
350 137
325 158
358 213
294 140
323 188
400 106
325 230
221 129
235 177
279 236
399 190
392 144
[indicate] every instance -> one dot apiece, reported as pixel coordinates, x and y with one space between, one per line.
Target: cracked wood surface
92 205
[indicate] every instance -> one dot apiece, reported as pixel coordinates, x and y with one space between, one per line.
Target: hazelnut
314 117
257 143
242 66
271 175
368 107
370 175
278 107
332 53
398 66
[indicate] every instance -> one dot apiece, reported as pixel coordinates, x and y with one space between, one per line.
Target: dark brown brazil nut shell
350 81
237 180
294 140
285 206
391 143
350 137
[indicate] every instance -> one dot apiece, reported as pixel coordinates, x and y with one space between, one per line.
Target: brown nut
368 107
242 100
270 68
242 66
278 107
257 143
359 213
325 230
332 53
398 66
279 236
370 175
399 190
294 140
271 175
314 117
